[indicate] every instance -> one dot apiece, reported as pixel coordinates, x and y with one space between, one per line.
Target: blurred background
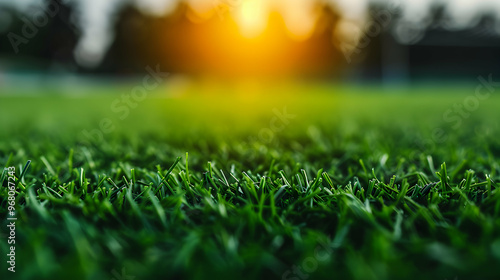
348 41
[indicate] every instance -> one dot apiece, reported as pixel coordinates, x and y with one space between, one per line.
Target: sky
95 18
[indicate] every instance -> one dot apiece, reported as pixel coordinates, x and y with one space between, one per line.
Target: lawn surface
304 181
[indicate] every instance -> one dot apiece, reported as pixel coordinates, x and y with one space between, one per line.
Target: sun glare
252 17
253 38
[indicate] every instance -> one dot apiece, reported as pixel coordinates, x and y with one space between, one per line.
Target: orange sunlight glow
200 10
300 18
253 38
252 17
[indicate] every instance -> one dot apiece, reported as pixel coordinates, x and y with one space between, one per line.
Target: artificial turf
278 182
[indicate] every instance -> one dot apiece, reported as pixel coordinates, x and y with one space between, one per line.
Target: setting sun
252 16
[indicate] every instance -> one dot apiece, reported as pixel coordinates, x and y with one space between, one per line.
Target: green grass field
304 181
